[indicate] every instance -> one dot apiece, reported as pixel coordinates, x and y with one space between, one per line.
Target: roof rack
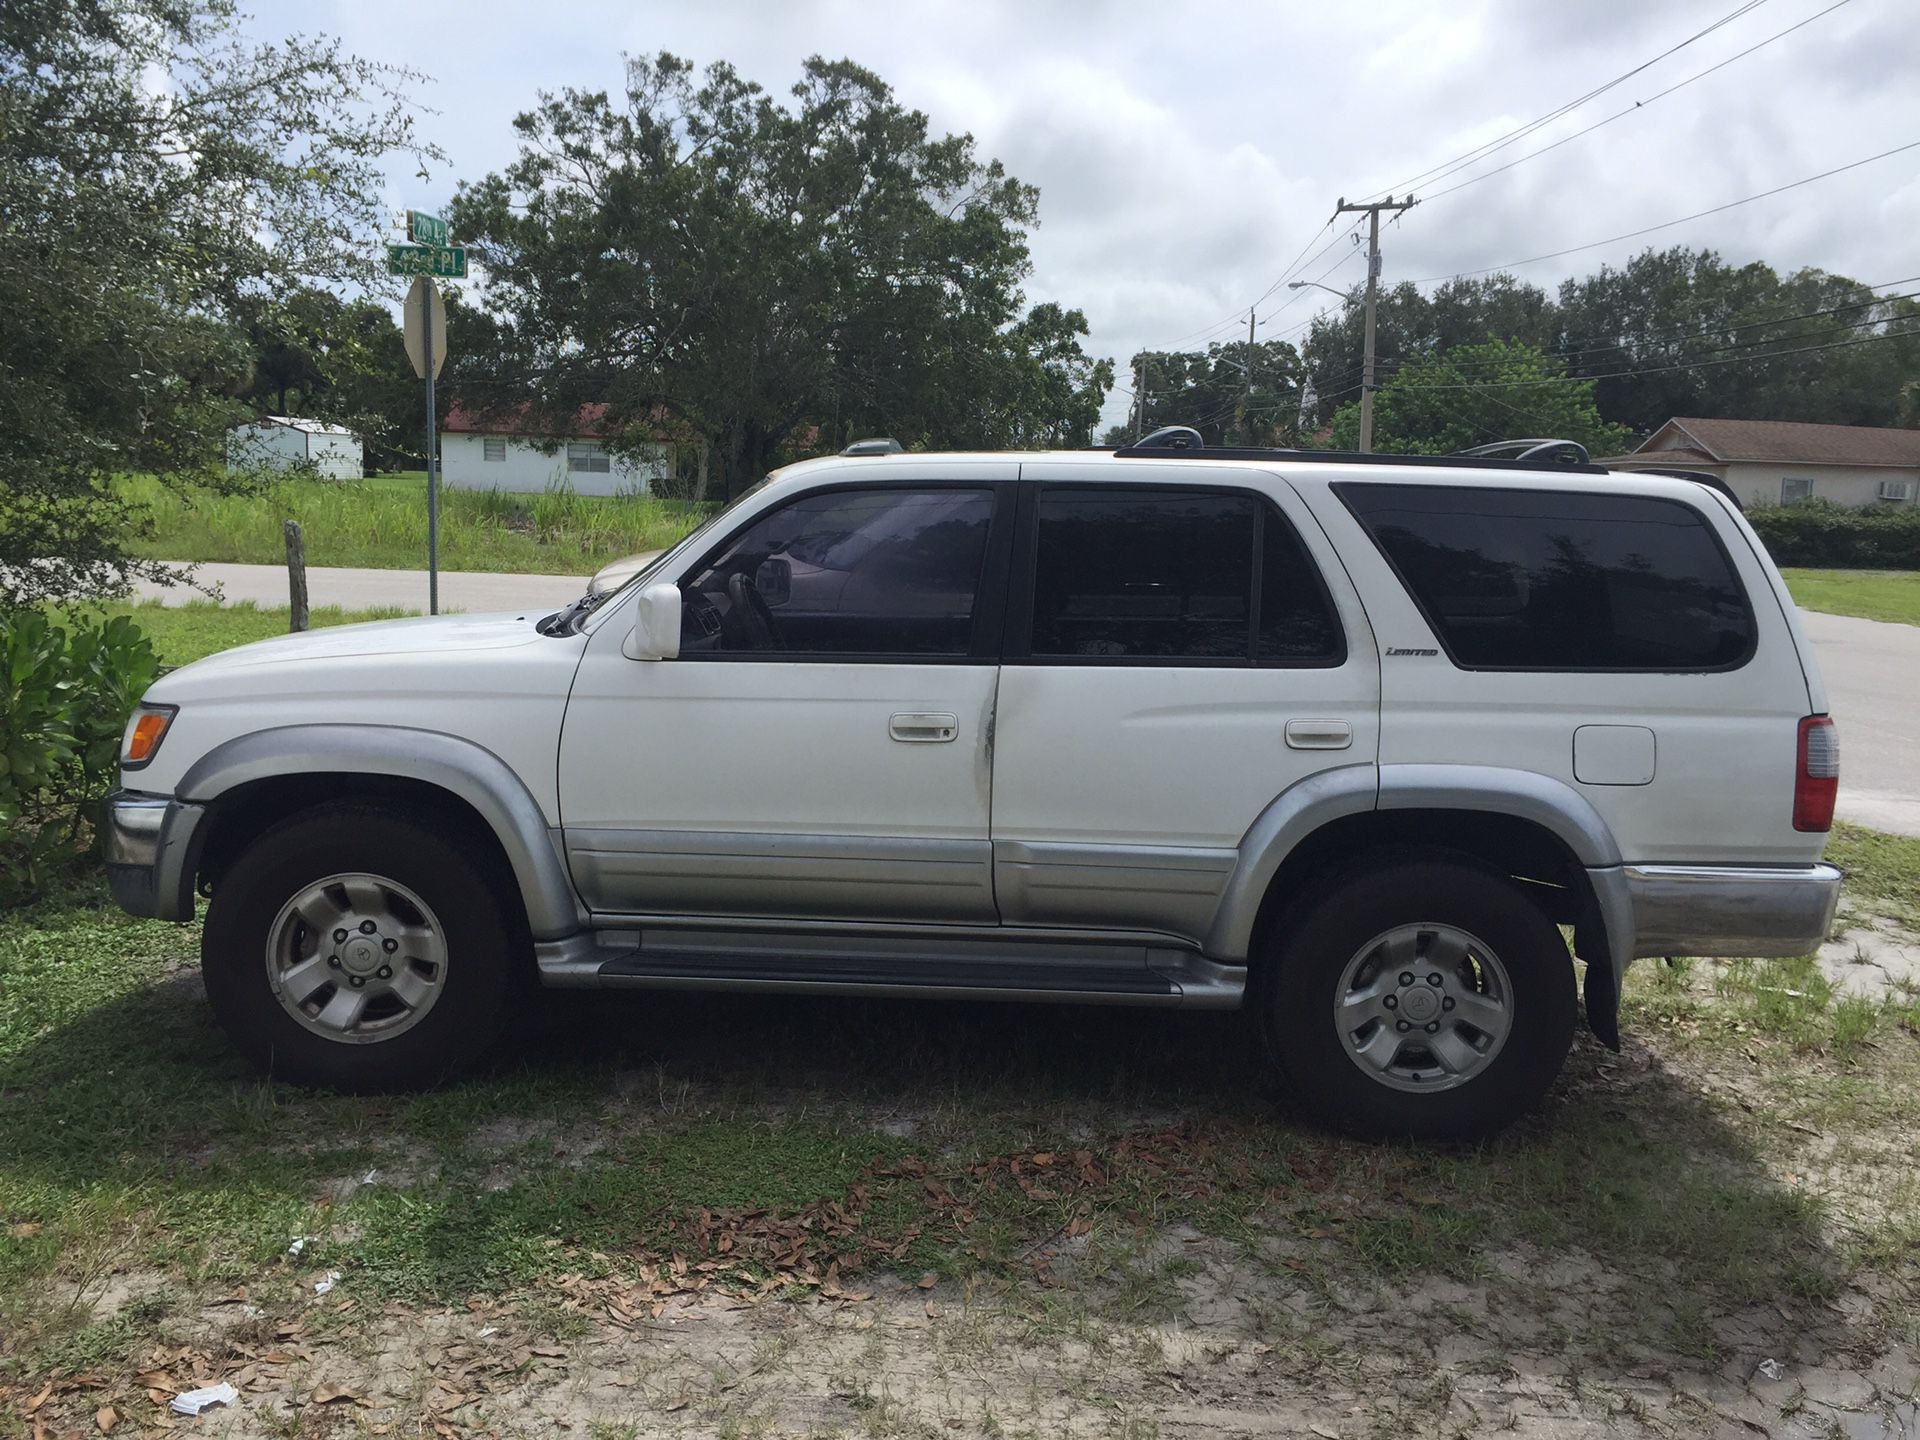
878 445
1183 442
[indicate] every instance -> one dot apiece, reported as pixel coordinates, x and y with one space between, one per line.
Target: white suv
1357 742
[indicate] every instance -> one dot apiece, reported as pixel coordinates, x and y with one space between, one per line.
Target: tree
754 270
1210 391
160 178
1472 394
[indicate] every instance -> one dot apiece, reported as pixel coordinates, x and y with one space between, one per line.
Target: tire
432 978
1457 1067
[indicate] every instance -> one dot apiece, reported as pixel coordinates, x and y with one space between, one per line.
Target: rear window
1561 580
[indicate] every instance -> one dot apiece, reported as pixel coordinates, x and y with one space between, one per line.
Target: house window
493 448
588 459
1794 489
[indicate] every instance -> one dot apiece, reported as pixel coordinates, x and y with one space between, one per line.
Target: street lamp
1366 373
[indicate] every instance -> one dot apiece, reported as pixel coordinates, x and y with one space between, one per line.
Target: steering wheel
756 617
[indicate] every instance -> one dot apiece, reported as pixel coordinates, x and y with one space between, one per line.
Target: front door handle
1319 734
918 727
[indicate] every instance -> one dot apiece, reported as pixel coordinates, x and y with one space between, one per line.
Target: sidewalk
473 591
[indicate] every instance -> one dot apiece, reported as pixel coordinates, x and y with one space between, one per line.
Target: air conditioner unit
1896 489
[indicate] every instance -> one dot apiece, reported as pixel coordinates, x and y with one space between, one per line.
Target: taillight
1816 780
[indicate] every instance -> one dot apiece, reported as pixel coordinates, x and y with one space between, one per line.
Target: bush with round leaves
66 690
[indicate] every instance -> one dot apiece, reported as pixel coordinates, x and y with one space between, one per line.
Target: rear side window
1561 580
1175 576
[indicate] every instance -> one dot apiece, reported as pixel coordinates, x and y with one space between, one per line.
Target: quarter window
847 572
1175 576
1561 580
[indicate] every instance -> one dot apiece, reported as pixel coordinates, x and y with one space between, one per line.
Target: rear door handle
1319 734
918 727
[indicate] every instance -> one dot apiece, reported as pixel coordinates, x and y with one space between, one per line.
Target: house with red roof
512 451
1783 462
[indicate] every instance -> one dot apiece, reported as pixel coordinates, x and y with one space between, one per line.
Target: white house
1781 462
507 452
284 442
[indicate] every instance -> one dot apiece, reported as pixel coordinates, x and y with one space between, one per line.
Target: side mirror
656 624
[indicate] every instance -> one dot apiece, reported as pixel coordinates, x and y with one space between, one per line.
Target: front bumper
1715 909
151 844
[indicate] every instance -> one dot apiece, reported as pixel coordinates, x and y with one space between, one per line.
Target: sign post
426 337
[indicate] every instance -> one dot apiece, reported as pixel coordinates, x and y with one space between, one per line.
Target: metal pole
1246 388
1366 367
433 473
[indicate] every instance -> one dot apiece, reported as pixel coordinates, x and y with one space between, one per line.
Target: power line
1618 114
1665 369
1574 356
1669 224
1500 142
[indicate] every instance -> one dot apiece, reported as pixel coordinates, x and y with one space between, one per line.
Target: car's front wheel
1426 998
355 947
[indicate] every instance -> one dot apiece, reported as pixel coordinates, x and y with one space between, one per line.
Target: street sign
448 262
425 229
424 295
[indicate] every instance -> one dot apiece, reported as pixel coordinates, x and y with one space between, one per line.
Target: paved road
1872 669
473 591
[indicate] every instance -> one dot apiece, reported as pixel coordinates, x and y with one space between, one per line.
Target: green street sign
425 229
444 262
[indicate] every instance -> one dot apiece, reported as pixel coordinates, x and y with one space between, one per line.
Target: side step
1102 974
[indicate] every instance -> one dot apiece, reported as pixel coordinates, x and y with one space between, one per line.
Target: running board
955 967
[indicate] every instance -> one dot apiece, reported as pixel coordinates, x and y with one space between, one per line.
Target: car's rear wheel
357 948
1428 999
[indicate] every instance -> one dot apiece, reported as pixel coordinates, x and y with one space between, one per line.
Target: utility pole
1373 285
1140 397
1246 387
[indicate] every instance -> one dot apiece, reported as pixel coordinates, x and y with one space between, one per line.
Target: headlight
145 731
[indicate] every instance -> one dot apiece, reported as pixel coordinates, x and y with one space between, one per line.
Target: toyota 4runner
1371 745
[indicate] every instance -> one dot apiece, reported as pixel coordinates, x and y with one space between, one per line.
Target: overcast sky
1186 154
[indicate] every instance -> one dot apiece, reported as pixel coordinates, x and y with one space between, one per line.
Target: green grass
184 633
382 523
1871 594
1883 871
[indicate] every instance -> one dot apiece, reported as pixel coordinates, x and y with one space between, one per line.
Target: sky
1189 156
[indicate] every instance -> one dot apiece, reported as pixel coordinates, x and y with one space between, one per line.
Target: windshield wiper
565 622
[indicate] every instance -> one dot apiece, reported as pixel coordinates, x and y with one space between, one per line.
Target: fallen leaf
106 1417
327 1394
552 1352
25 1229
679 1404
928 1280
37 1401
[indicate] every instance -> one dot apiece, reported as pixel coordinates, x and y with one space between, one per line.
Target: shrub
67 694
1824 536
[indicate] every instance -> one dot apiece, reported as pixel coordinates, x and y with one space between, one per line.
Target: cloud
1185 155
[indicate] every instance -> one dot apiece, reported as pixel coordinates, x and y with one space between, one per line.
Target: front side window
588 459
1561 580
1175 576
847 572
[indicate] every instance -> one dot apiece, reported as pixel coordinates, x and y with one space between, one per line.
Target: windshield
589 603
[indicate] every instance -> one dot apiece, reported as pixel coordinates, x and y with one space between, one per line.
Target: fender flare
1330 795
468 771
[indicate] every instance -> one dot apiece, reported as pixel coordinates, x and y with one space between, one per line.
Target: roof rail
1560 452
1699 477
1183 442
878 445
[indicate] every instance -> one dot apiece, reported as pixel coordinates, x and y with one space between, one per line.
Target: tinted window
1555 580
848 572
1171 575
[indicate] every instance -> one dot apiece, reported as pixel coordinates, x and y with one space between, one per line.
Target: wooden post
296 576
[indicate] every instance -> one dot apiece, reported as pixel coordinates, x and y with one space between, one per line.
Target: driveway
1872 671
473 591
